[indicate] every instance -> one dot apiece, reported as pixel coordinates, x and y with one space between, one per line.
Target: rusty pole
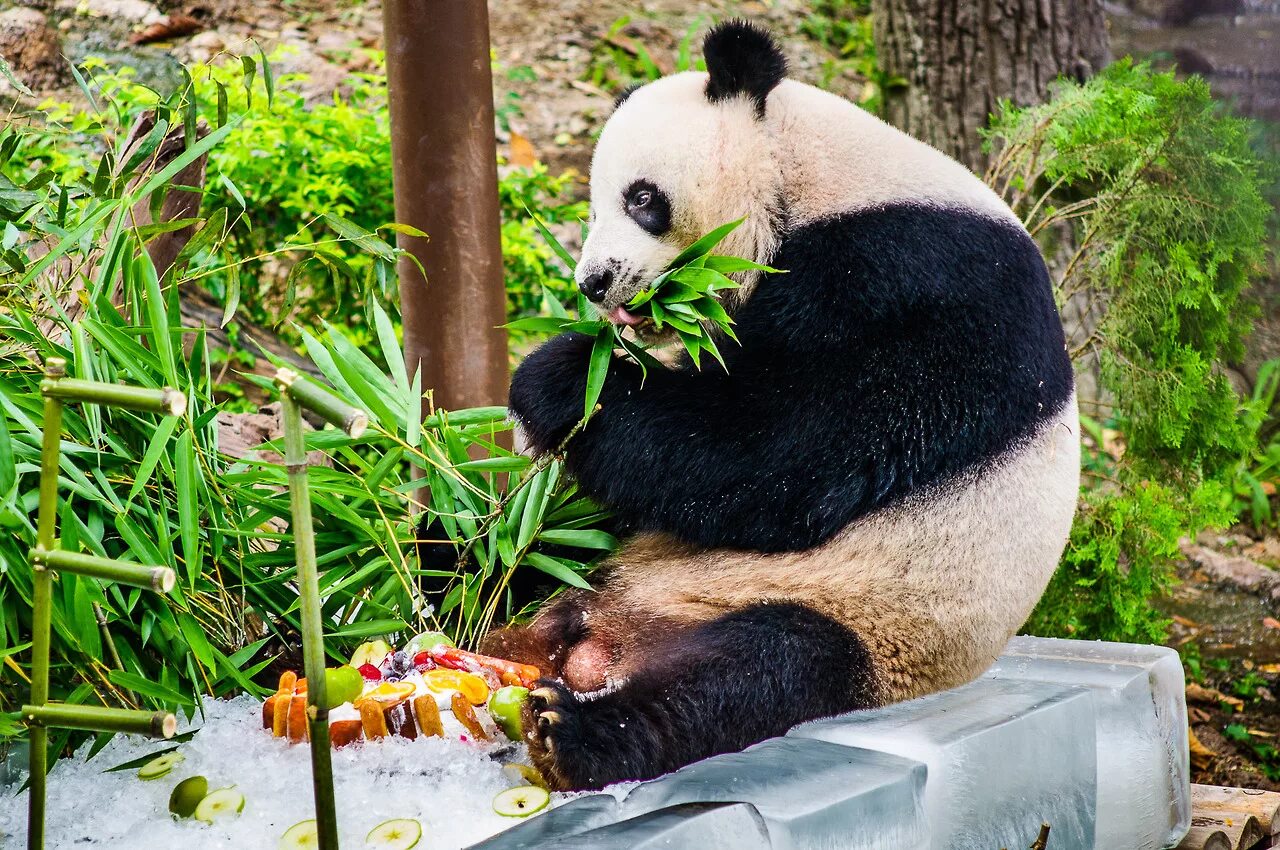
446 184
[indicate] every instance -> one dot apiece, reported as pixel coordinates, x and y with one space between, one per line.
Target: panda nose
596 284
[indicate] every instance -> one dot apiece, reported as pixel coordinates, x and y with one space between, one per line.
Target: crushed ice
448 786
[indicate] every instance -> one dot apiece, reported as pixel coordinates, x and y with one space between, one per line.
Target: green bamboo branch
56 388
159 579
97 718
294 394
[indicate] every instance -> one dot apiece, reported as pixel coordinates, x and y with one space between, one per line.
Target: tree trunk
958 58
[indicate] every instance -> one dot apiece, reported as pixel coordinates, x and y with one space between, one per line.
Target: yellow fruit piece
389 693
469 685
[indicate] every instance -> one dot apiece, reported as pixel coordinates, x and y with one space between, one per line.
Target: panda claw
545 694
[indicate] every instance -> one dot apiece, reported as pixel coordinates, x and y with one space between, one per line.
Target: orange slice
389 693
469 685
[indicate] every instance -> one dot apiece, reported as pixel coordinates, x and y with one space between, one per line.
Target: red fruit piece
371 673
423 662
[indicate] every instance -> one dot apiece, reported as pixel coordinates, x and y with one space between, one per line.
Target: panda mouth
622 316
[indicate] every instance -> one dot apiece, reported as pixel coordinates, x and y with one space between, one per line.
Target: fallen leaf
1185 622
1198 715
1258 733
1201 755
1269 668
522 152
175 26
1271 622
1199 693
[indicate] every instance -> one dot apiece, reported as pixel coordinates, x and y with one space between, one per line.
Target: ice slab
705 826
811 794
1144 796
1003 757
574 817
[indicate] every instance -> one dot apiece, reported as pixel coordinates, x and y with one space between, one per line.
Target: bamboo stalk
159 579
110 643
98 718
315 398
168 401
42 590
295 458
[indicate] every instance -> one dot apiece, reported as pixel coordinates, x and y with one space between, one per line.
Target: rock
131 12
203 46
33 50
1179 12
1240 572
323 77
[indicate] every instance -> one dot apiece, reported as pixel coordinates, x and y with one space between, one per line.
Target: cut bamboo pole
293 393
168 401
96 718
159 579
56 388
50 450
315 398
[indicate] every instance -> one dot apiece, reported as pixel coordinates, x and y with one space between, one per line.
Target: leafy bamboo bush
286 174
1147 196
77 281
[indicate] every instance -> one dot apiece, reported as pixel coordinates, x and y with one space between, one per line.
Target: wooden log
1232 818
1213 800
1205 838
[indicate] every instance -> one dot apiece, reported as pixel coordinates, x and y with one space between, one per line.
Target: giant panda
867 502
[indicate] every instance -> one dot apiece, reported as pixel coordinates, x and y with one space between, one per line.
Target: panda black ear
742 59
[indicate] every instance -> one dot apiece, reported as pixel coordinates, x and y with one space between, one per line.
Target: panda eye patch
648 206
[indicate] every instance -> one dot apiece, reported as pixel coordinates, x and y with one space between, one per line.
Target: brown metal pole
446 184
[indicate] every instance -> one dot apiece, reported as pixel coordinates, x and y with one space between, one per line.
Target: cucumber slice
160 765
398 834
521 802
187 794
300 836
223 803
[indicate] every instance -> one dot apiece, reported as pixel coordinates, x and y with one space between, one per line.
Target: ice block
1003 757
706 826
563 822
812 794
1144 797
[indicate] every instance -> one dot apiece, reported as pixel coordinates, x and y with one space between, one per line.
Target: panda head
680 157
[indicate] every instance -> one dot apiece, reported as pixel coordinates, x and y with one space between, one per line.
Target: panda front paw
551 720
548 388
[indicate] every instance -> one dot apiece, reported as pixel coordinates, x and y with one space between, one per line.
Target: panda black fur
868 503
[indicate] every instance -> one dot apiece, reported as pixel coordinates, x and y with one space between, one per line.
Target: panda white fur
868 503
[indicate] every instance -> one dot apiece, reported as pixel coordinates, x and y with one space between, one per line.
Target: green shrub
1148 196
289 173
844 29
159 491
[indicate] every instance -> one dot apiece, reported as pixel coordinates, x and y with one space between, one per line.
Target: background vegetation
1144 192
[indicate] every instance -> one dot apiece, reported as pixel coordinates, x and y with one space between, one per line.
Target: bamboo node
163 579
164 724
55 367
175 401
285 378
356 424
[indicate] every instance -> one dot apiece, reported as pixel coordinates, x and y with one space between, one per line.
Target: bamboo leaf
598 369
704 245
552 241
514 463
556 568
583 538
